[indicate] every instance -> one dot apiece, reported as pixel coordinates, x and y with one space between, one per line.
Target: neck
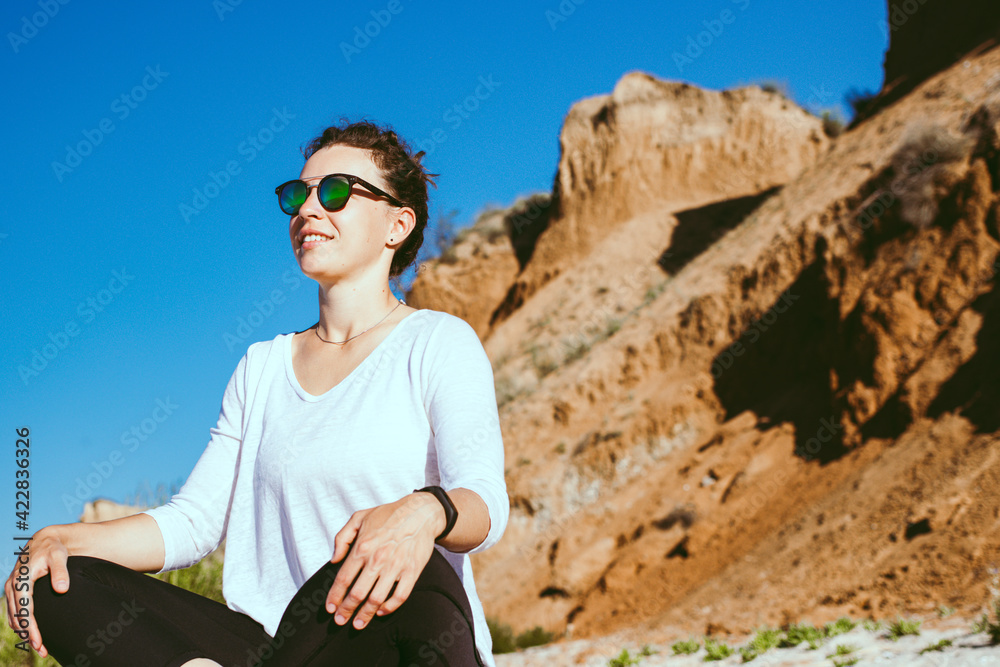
347 309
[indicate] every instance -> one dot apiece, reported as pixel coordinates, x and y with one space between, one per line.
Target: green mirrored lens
333 193
292 196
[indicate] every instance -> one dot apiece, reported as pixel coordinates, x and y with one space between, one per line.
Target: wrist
446 514
429 505
58 533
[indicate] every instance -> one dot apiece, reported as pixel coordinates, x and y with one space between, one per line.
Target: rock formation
745 375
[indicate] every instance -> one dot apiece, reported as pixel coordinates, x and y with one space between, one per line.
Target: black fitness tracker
450 512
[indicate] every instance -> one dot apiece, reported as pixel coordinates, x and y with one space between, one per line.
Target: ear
403 221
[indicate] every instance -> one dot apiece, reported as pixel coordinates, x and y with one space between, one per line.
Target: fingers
48 556
348 571
8 593
407 580
59 573
379 593
20 615
356 595
35 635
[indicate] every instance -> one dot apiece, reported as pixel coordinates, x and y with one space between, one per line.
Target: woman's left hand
392 544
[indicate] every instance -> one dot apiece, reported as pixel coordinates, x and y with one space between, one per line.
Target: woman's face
353 239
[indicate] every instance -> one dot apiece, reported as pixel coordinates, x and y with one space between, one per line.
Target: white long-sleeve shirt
284 470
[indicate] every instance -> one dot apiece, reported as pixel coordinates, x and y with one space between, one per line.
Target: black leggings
113 616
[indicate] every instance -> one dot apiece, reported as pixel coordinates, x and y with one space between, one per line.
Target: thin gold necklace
342 342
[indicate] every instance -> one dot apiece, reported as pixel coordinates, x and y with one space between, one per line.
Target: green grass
654 292
541 361
871 626
842 649
716 650
503 636
506 390
611 326
795 634
537 636
504 640
11 656
764 640
686 647
936 646
541 323
985 624
845 662
833 126
990 627
203 578
902 627
841 626
944 611
575 350
623 660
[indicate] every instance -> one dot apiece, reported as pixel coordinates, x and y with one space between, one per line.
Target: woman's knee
81 570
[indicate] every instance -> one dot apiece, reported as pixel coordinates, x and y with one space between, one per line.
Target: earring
390 240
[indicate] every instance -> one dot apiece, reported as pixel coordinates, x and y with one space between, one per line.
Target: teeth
315 237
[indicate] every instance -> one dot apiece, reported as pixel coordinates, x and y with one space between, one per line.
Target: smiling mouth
313 240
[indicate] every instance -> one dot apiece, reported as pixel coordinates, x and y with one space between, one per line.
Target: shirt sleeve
462 409
193 521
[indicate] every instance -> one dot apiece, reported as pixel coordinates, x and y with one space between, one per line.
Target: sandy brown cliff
650 146
747 375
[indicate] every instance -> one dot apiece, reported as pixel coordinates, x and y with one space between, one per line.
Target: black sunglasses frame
351 182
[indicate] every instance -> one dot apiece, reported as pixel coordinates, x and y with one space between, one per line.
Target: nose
311 206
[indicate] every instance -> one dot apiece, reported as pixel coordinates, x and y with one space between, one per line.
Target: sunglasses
333 191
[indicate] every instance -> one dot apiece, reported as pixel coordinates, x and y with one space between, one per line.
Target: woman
325 474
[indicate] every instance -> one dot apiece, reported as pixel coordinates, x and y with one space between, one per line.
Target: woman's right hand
46 554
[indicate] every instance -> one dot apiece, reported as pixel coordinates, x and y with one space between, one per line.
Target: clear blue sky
117 113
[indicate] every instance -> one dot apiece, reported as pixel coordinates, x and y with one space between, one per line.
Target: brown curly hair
405 177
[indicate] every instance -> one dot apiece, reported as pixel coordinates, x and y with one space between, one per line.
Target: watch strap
450 511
